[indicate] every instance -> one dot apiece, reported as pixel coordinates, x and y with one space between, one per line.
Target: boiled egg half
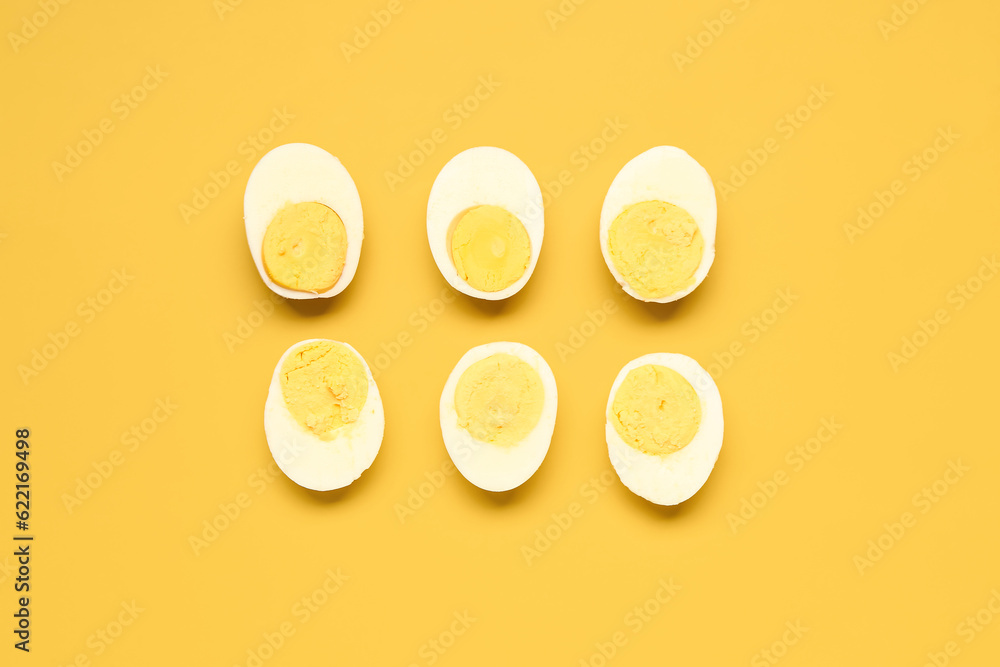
498 411
658 223
485 222
323 417
664 427
303 221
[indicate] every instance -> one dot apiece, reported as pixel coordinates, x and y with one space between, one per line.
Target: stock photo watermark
957 298
364 34
966 631
778 649
913 168
302 611
787 126
131 440
452 119
250 148
562 12
121 108
584 330
418 322
434 648
86 312
563 521
248 324
900 15
796 459
32 23
224 7
418 494
635 620
582 157
923 501
231 510
751 331
99 641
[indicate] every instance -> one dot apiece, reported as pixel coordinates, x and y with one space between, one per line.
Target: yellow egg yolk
499 399
324 385
656 410
305 247
656 247
490 248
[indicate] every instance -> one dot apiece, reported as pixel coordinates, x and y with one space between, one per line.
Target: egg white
664 173
675 477
476 177
322 465
488 466
297 173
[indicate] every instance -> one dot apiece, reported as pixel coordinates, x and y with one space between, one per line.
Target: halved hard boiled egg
323 416
658 225
664 427
485 222
498 411
303 222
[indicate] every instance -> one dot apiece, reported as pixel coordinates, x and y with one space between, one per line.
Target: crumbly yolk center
656 410
305 247
656 247
324 385
490 248
499 399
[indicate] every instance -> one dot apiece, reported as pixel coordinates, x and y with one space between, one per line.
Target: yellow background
164 335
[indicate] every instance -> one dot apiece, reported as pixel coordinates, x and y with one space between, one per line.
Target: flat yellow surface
857 361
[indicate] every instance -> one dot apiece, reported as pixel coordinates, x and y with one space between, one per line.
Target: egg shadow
496 499
661 312
668 512
319 307
333 304
475 306
336 496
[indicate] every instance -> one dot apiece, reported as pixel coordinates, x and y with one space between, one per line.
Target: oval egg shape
485 223
658 222
498 412
664 427
303 222
323 417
